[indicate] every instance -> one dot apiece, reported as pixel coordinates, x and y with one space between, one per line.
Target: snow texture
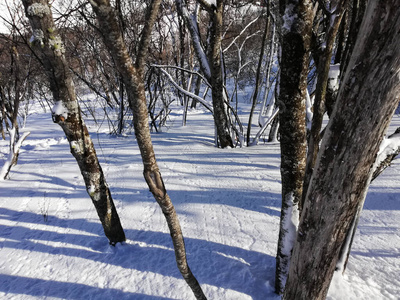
52 245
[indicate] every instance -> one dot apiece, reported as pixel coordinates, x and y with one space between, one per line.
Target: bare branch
187 93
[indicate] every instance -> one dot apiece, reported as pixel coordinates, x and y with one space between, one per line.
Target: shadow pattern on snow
64 290
148 251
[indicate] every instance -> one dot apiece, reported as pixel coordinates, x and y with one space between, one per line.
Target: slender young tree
13 89
132 74
258 74
297 18
367 99
66 113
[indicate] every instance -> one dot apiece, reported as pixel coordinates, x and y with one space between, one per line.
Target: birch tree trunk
297 18
132 74
67 114
367 99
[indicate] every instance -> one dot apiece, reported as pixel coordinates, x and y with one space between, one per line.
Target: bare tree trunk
211 66
258 75
341 40
366 102
358 10
10 110
273 133
135 88
221 119
321 88
68 115
384 158
296 38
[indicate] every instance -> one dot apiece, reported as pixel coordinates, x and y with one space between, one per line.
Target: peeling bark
67 114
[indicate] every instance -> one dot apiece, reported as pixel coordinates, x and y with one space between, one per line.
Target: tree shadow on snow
63 290
212 263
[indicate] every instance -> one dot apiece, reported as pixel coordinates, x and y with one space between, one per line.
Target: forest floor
52 245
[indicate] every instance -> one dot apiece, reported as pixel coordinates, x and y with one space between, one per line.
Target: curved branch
187 93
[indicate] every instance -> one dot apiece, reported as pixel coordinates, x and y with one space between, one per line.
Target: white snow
52 245
387 147
334 72
309 113
211 2
60 110
290 224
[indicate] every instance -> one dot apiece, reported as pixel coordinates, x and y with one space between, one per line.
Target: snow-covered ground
52 245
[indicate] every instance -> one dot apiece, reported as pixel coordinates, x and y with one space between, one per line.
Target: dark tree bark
221 119
390 152
321 89
132 74
297 18
341 40
67 114
366 102
357 14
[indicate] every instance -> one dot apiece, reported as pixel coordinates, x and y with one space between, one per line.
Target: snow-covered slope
52 245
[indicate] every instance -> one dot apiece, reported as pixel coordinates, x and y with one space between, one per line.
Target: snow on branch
264 127
187 93
195 34
208 4
11 159
240 34
388 150
185 70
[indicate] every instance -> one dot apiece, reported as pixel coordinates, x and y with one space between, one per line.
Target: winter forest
200 149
